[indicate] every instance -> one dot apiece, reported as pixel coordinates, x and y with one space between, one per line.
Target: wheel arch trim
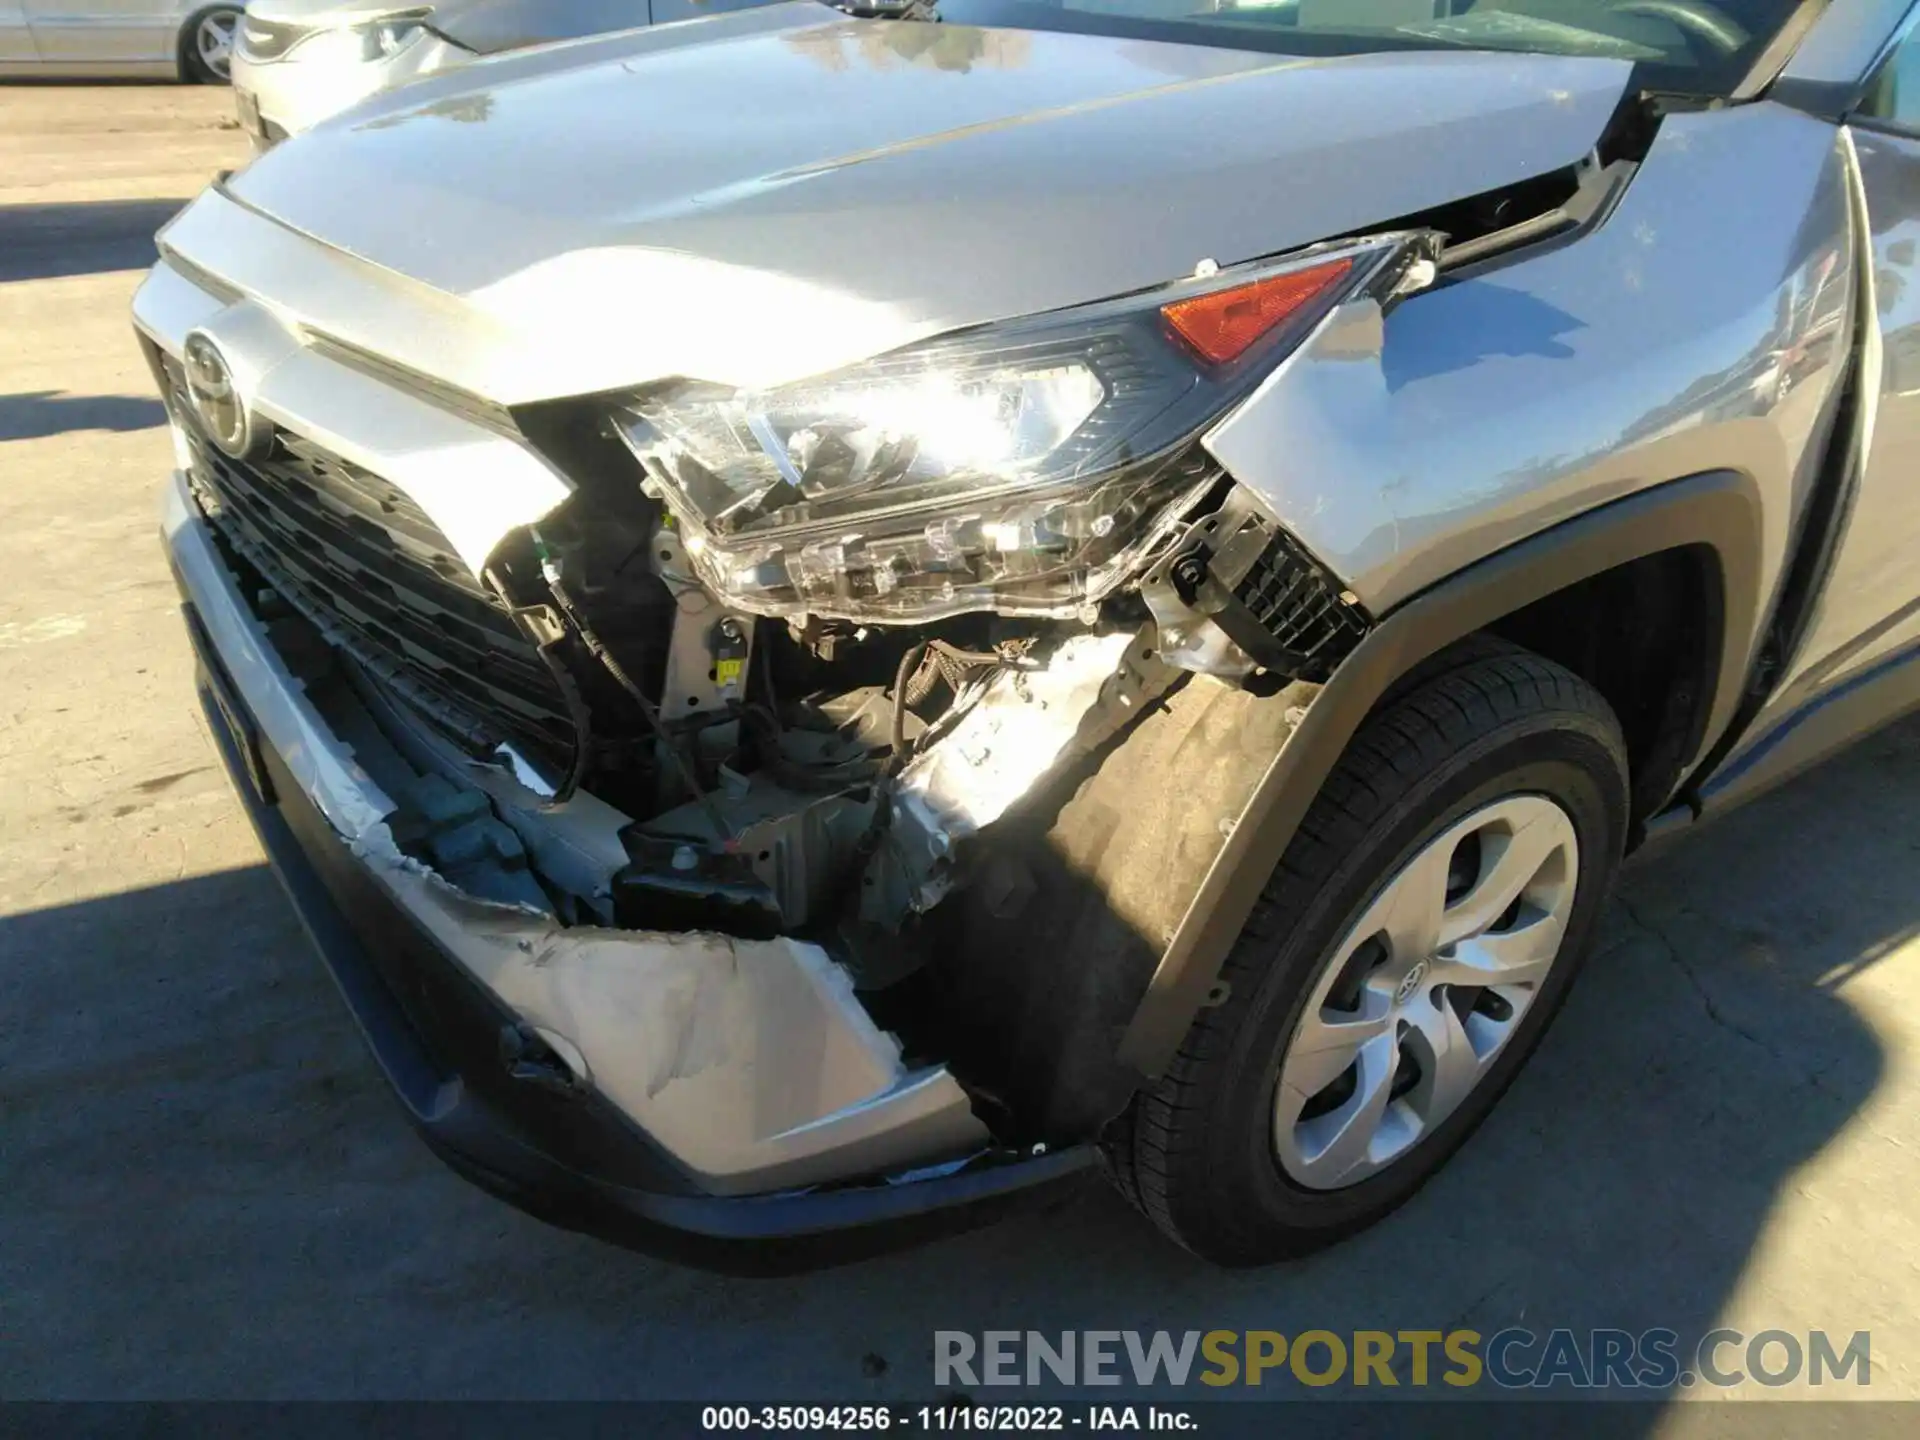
1719 511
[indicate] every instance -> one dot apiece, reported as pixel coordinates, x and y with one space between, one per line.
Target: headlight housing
1025 467
363 42
390 34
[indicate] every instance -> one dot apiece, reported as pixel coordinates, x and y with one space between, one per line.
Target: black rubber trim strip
1825 520
1720 510
783 1233
1880 694
1829 100
1773 57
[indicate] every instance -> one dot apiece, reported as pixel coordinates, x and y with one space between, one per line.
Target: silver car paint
687 274
311 83
883 186
327 13
485 26
474 481
1842 47
1868 616
491 26
1873 613
603 299
302 89
1704 325
85 38
1646 350
16 39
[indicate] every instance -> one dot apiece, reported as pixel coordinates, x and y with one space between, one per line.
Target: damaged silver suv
833 619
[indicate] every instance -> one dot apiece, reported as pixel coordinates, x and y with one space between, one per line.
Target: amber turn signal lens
1223 326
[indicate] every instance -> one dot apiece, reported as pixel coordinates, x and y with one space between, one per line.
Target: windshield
1690 46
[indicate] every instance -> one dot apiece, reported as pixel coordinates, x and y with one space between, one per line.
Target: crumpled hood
769 193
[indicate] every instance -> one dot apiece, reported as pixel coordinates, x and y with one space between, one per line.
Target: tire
1488 739
197 66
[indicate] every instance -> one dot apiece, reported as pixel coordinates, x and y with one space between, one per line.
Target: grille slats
362 561
349 490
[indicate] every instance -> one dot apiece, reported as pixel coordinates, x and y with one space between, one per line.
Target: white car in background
298 61
166 39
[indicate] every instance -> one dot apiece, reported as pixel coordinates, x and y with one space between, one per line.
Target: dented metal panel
1020 732
750 1061
1051 951
474 482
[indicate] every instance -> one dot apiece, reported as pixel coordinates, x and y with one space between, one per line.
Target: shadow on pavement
210 1194
80 238
41 413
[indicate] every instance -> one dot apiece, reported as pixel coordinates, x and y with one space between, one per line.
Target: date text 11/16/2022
779 1419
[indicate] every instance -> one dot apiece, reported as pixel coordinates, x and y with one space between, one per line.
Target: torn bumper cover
695 1093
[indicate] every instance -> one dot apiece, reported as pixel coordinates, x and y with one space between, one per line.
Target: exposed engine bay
812 778
816 641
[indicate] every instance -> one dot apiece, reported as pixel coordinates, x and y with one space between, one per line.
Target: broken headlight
1024 467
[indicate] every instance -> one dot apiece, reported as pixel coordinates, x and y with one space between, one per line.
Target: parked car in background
297 62
830 618
107 38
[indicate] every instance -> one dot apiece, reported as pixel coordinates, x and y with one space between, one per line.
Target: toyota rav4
831 619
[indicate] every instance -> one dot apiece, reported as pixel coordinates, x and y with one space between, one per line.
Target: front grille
358 558
1300 606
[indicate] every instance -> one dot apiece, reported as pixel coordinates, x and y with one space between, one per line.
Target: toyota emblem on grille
214 398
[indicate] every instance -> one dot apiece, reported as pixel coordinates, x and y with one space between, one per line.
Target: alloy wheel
1423 991
213 40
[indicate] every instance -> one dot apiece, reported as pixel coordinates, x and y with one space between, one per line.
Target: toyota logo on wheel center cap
1410 982
214 398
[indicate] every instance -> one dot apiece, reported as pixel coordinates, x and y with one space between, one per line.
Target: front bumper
888 1168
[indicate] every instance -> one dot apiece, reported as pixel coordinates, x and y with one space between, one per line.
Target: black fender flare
1718 511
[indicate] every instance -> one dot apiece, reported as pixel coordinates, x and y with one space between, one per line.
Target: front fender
1706 324
1722 512
1143 864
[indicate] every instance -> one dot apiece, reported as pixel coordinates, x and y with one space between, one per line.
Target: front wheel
1405 957
206 45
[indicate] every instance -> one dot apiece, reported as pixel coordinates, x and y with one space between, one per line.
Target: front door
104 32
1868 614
